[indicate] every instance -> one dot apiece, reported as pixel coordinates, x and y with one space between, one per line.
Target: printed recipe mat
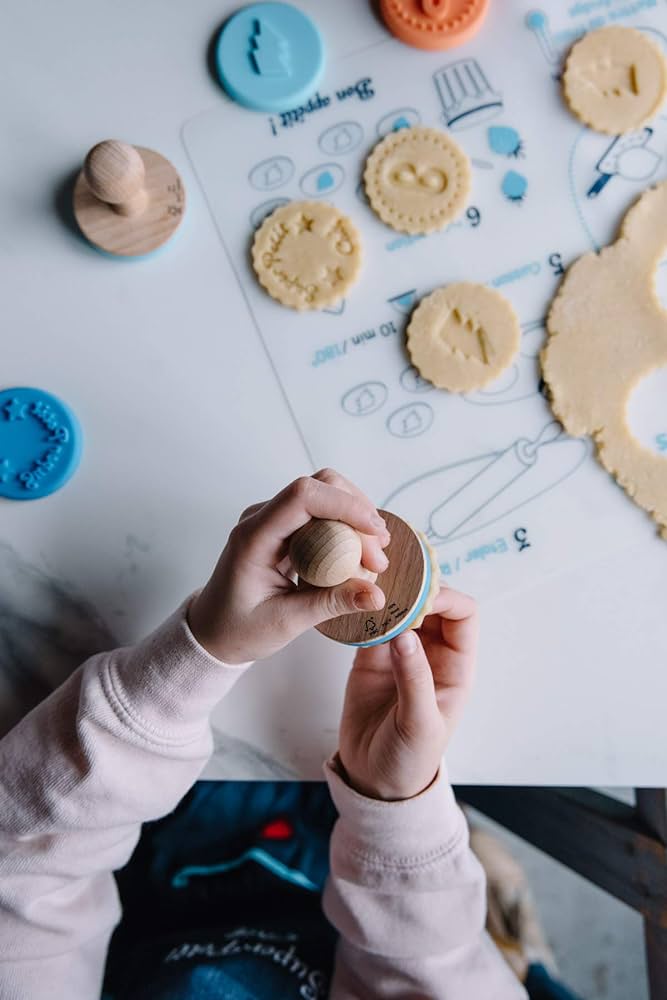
499 489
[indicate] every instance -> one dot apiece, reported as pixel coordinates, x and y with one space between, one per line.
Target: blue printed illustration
404 301
394 121
337 309
272 173
538 22
364 399
411 420
522 379
505 141
341 138
514 186
629 157
269 51
412 381
464 497
322 180
466 96
260 212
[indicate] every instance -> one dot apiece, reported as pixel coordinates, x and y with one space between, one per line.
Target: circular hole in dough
646 413
417 180
307 254
615 79
463 336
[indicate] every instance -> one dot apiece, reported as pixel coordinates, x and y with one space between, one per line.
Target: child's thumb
414 681
314 605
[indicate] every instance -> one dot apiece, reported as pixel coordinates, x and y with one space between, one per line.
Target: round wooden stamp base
132 236
408 584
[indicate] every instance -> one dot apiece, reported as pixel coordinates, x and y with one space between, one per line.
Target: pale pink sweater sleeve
408 898
119 743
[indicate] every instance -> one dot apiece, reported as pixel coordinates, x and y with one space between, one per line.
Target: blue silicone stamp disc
270 57
40 444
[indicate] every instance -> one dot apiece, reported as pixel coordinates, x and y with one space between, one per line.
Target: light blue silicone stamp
40 444
270 57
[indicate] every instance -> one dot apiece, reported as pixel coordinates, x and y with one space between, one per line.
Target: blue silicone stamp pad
40 444
270 56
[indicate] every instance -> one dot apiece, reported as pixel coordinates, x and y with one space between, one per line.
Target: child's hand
249 609
404 698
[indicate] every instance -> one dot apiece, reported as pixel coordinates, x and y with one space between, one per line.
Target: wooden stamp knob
128 200
116 175
326 553
410 584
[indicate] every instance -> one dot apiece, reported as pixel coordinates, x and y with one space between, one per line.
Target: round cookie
615 79
463 336
434 24
307 254
417 180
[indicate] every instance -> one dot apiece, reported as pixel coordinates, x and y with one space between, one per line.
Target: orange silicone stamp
434 24
324 553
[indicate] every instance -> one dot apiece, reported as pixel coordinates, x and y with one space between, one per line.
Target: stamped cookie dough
434 588
615 79
307 254
463 336
607 331
417 180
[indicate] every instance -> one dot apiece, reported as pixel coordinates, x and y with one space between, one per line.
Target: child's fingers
309 606
266 531
252 509
453 619
414 684
372 556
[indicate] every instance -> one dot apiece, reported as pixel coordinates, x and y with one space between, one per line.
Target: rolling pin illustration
467 504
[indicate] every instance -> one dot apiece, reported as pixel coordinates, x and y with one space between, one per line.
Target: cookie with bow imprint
307 254
417 180
128 200
40 443
326 553
434 24
607 331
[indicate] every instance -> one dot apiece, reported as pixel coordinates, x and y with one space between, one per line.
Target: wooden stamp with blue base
324 553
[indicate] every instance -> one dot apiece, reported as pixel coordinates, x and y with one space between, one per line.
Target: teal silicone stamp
40 444
269 56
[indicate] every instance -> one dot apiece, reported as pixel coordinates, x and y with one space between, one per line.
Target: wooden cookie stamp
128 201
326 551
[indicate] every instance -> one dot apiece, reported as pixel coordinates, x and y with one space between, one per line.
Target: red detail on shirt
278 829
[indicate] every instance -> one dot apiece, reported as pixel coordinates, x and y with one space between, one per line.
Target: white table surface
572 683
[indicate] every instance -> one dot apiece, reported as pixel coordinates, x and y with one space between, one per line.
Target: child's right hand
249 609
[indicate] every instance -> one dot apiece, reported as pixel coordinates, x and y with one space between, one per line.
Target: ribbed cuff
168 684
407 832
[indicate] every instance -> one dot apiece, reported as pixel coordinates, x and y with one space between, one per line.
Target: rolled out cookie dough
615 79
463 336
307 254
607 331
417 180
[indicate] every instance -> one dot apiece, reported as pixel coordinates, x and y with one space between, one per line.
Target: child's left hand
249 609
404 698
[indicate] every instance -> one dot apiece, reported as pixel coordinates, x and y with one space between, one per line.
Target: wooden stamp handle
326 553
